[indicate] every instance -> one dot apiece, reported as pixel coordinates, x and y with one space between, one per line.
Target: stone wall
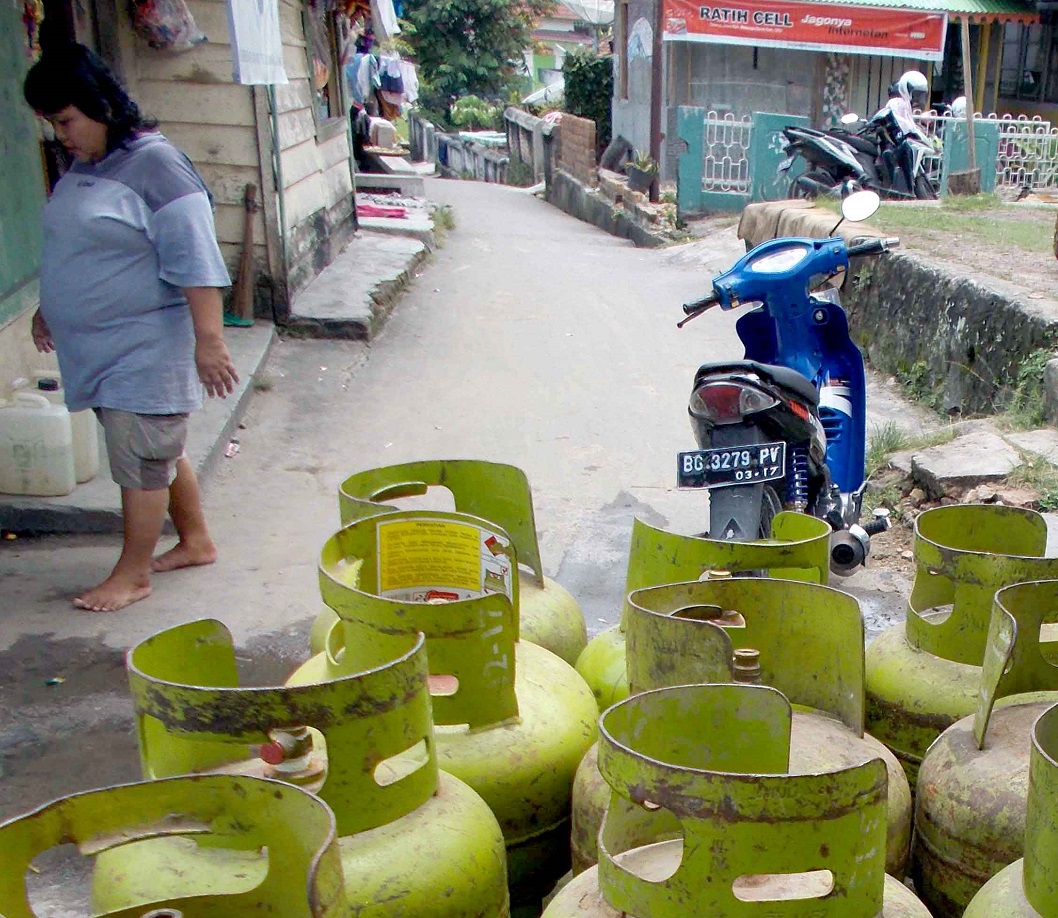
525 141
576 148
964 337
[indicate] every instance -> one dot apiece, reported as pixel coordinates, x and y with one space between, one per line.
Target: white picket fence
1028 149
726 152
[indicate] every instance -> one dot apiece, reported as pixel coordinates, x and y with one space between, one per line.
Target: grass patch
888 438
1024 407
1037 474
444 221
979 216
983 216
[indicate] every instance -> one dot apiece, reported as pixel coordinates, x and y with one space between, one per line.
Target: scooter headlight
728 402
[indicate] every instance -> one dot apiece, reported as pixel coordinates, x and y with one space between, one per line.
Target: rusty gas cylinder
798 550
513 720
736 833
548 615
922 675
800 634
974 780
413 840
1028 888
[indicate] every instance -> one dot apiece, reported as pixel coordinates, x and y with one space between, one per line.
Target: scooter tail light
799 409
727 403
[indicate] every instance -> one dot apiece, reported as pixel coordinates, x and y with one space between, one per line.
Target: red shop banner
809 26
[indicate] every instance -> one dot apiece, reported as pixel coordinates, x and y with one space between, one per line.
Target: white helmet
913 88
958 107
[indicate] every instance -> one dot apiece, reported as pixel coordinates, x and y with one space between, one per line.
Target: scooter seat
780 376
861 143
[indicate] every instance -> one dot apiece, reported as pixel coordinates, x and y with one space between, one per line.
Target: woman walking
130 299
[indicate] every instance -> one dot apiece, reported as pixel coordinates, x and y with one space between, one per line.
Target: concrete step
352 296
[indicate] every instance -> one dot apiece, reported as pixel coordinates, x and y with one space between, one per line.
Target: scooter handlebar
873 246
696 306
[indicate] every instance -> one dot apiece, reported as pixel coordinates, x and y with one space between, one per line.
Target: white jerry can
83 425
36 447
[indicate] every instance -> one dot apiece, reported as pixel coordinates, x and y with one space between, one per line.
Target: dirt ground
1036 272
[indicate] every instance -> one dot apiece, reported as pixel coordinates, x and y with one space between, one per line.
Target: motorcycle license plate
731 465
784 166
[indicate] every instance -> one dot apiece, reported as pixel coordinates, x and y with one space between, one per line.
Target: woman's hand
215 367
41 334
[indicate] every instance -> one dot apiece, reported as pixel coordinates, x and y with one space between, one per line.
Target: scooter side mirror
850 118
860 205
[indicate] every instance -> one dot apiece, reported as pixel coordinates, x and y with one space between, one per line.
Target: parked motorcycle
785 427
874 154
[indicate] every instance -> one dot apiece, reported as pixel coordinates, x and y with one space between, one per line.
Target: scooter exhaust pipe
848 550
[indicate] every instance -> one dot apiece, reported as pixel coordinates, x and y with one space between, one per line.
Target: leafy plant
644 162
1024 408
588 76
473 112
469 47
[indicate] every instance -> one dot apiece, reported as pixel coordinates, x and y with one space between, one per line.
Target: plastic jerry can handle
31 398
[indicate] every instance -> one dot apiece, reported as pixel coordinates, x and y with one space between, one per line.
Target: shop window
321 30
1030 60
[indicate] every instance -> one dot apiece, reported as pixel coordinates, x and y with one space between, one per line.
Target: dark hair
71 74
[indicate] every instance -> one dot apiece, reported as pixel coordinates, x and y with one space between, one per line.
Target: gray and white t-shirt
121 238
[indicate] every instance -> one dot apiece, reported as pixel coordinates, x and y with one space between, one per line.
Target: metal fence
726 152
1027 158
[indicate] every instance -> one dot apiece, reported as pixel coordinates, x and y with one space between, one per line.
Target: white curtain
257 49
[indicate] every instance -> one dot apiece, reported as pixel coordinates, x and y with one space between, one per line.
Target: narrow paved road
530 338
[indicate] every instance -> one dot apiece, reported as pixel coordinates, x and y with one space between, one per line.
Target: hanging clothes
384 18
410 76
361 76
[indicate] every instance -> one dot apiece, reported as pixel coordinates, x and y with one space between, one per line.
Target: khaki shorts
143 448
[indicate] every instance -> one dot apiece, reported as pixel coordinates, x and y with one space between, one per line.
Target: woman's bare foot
184 554
113 594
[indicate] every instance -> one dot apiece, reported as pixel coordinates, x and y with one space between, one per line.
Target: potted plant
641 171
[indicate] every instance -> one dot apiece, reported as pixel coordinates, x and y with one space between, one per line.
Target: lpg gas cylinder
798 550
1028 888
513 720
973 783
414 841
739 835
549 615
296 828
922 675
807 642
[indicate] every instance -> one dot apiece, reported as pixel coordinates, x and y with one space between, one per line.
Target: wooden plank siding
215 121
211 118
317 194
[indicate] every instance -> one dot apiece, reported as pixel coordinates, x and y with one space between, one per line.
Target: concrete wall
525 140
631 112
576 148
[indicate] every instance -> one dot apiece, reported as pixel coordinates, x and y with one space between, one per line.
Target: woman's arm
215 367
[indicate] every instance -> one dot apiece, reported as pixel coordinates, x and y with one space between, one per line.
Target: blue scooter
785 427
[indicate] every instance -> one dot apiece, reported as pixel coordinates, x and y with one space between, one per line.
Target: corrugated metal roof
977 10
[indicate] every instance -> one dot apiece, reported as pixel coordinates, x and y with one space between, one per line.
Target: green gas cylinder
414 841
806 640
738 835
513 720
973 783
922 675
1028 888
296 828
549 616
798 550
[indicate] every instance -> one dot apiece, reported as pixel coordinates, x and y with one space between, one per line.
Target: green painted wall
21 180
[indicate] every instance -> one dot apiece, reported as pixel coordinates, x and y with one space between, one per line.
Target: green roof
978 10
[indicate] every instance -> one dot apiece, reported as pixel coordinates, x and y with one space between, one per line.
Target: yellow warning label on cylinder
415 553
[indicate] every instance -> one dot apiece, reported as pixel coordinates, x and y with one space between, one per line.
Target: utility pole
657 74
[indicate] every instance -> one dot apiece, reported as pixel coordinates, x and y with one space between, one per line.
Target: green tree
470 47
